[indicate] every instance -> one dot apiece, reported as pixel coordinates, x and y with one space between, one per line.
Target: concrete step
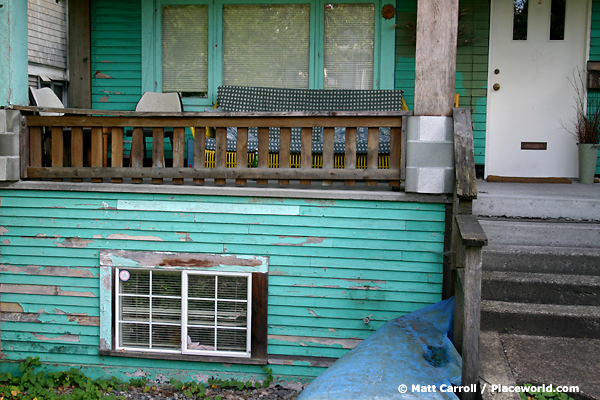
559 234
541 319
526 287
545 201
542 259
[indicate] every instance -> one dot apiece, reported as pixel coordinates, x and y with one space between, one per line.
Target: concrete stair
541 286
541 278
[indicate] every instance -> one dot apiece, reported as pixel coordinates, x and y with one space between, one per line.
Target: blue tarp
413 350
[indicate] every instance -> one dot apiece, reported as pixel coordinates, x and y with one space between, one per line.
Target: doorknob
496 86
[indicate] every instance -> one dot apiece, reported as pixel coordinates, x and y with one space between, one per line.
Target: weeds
536 393
73 385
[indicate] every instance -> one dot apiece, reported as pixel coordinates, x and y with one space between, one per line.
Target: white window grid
185 347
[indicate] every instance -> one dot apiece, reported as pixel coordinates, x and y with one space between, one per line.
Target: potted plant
586 128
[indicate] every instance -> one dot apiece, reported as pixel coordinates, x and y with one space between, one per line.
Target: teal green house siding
331 264
116 50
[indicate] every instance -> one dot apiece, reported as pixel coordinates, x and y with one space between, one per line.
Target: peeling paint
6 242
314 314
103 99
3 230
74 243
200 378
107 282
11 307
186 236
306 340
124 236
308 240
365 281
79 272
100 75
41 290
365 287
138 373
107 61
67 337
331 330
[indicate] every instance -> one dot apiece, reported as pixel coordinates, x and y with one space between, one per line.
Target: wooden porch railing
468 239
93 134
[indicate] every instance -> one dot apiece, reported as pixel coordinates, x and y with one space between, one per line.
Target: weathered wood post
435 57
467 241
429 162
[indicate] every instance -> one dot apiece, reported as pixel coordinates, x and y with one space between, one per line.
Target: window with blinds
266 45
185 49
187 312
349 46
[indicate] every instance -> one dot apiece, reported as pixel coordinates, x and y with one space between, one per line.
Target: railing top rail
221 114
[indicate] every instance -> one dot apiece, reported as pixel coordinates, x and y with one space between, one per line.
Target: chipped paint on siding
67 337
306 340
74 243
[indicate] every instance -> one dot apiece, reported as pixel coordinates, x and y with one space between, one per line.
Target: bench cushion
245 98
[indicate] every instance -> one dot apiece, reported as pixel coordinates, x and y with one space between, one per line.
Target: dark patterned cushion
249 99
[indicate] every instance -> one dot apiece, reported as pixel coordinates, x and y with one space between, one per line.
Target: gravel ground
167 392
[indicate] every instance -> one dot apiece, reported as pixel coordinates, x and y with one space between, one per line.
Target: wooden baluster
57 149
76 149
178 152
116 157
285 142
97 150
350 156
158 151
199 153
372 152
395 152
136 157
328 149
263 152
35 147
306 152
241 152
220 152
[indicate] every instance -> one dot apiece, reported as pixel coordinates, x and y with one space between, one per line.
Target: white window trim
112 260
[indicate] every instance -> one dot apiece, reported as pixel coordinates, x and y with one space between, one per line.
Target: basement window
167 310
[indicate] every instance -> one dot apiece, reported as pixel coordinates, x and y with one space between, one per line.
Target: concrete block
430 155
429 180
9 144
430 129
10 168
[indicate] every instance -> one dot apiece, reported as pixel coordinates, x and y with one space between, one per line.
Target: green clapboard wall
471 62
331 264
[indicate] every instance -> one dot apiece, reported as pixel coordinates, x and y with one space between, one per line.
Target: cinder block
430 129
430 155
9 168
10 121
9 144
429 180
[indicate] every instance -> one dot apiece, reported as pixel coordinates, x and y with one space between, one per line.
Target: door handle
496 86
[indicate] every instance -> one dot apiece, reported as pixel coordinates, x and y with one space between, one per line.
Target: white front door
530 96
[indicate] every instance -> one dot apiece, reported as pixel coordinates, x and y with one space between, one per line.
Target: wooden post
80 78
435 59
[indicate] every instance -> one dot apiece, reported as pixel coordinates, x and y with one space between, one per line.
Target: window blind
349 42
185 49
266 45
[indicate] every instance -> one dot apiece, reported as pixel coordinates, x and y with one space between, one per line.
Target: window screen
271 53
185 49
349 43
216 311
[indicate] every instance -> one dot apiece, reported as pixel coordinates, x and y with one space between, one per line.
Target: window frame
383 52
254 268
